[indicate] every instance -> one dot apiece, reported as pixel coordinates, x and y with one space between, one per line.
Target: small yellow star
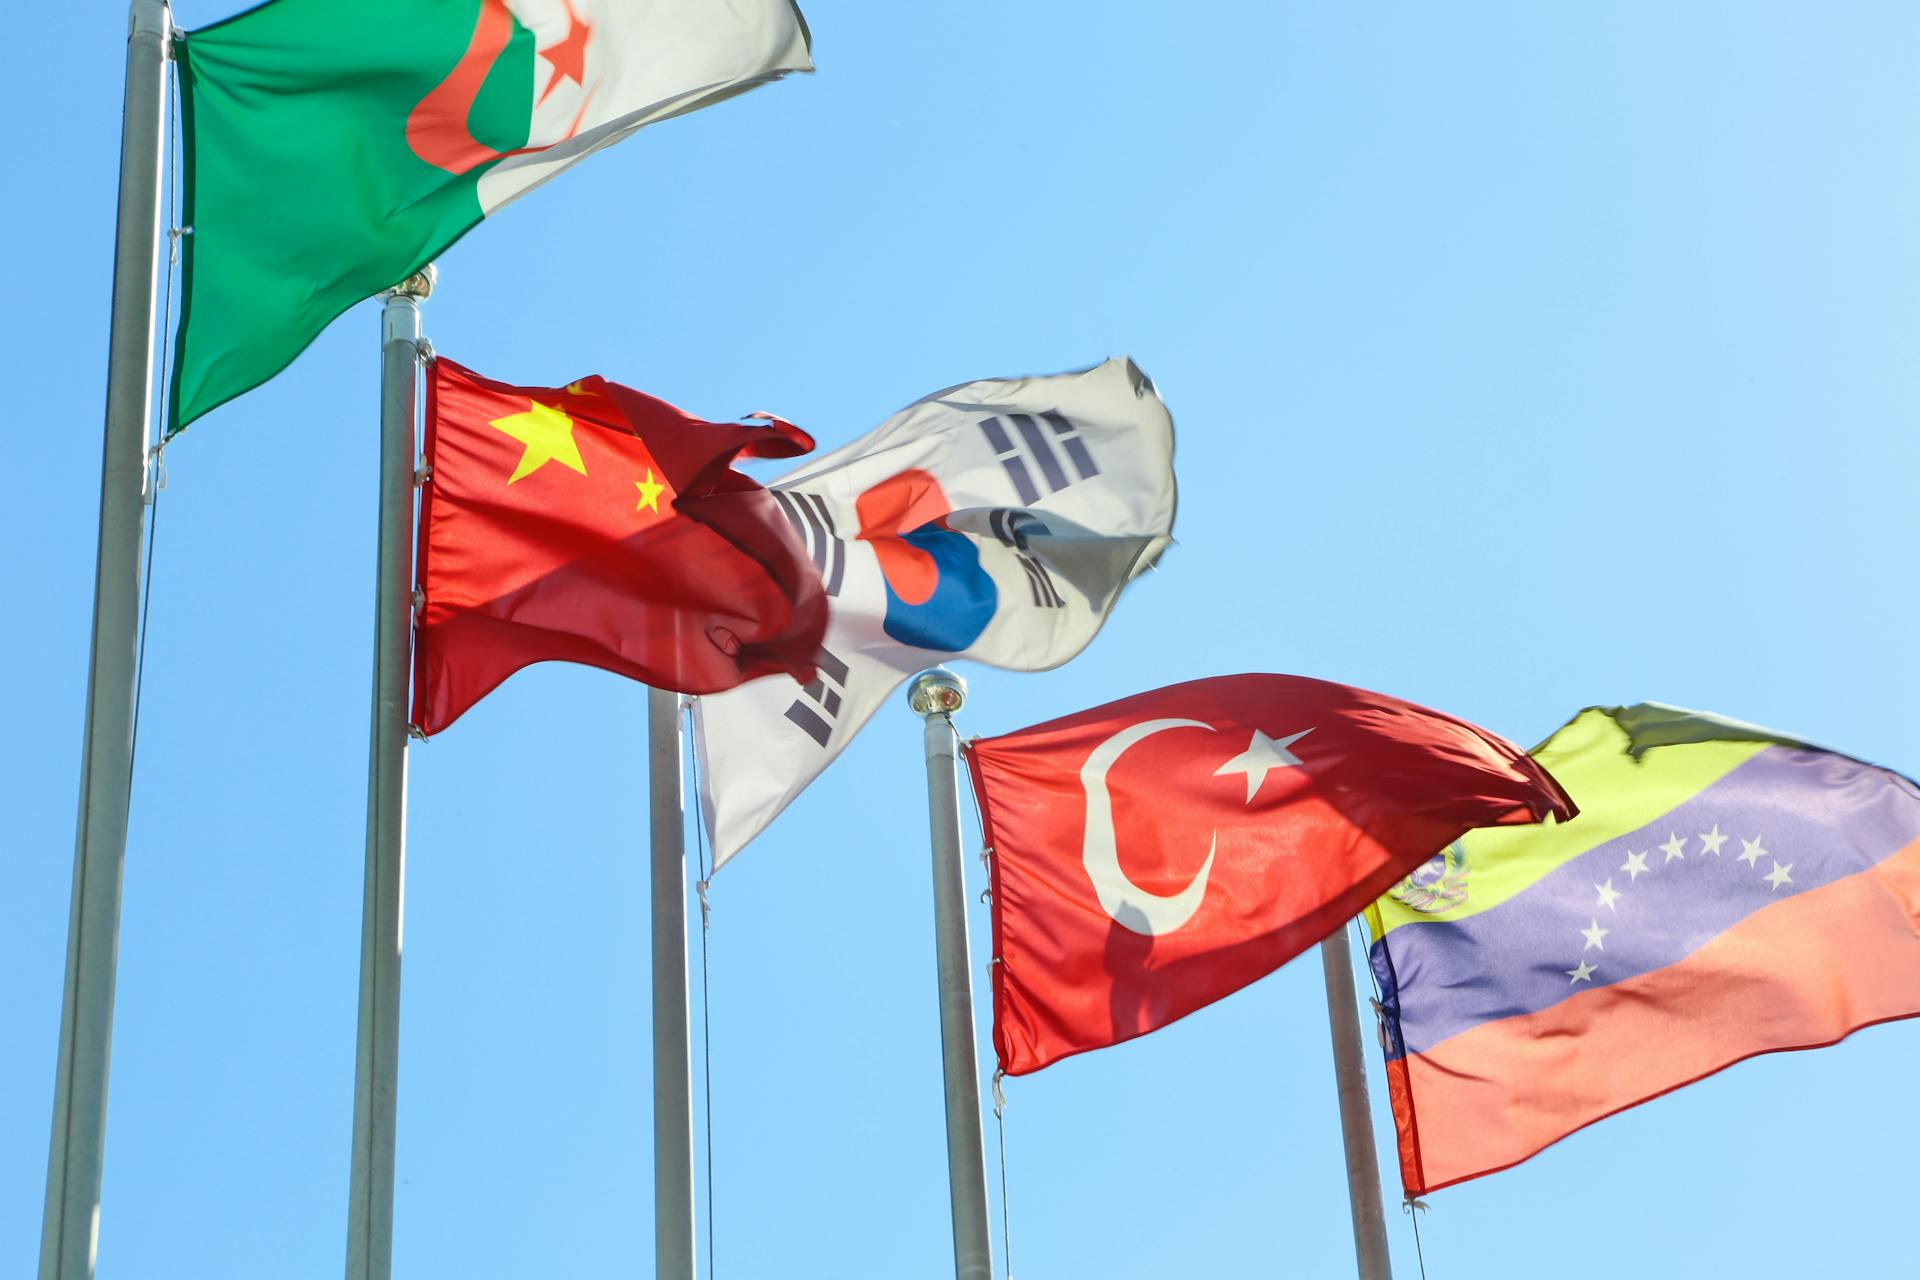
548 435
650 491
579 388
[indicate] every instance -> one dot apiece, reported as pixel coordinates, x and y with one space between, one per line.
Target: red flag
590 523
1160 852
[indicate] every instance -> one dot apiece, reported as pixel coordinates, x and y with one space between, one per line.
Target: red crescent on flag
437 127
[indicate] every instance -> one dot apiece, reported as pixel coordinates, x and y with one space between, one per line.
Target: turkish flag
590 523
1158 853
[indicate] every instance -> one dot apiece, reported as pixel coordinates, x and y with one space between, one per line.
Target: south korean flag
997 521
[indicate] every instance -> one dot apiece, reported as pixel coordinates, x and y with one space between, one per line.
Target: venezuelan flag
1725 891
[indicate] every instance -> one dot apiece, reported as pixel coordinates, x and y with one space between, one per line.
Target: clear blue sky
1522 357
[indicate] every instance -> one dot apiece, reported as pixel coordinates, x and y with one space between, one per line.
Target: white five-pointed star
1713 840
1778 876
1582 972
1608 894
1593 933
1751 852
1262 755
1635 864
1674 847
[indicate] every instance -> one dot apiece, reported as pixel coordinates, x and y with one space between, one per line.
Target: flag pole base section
673 1225
1356 1120
70 1224
376 1073
935 695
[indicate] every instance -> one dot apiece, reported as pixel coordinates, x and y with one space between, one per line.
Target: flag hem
1654 1097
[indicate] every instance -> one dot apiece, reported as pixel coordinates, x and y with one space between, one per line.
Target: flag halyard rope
154 461
1409 1205
706 982
999 1097
1000 1123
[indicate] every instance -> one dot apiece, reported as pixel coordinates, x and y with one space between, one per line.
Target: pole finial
419 285
936 692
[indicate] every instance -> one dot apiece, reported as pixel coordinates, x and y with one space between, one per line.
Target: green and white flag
334 147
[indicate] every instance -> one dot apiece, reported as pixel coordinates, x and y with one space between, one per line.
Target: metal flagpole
1356 1121
672 1043
377 1046
935 695
71 1225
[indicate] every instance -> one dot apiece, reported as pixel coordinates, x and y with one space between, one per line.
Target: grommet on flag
1380 1024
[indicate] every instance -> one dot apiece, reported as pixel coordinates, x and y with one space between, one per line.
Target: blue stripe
1817 816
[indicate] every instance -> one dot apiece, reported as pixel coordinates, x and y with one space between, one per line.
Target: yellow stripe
1616 794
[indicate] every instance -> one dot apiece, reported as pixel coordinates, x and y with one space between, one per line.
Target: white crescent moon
1131 906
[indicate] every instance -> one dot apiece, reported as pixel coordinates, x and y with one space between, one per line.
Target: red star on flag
569 57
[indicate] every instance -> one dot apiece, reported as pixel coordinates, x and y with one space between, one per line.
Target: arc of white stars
1608 895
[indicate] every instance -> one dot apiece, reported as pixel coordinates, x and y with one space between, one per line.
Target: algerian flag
334 147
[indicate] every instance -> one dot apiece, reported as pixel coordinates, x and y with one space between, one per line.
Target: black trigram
808 514
1013 528
819 704
1025 442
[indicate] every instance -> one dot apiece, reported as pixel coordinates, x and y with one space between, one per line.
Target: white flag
996 521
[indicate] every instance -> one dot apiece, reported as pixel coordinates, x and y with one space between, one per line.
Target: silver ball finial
936 692
419 284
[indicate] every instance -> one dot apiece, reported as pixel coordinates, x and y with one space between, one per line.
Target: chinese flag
590 523
1158 853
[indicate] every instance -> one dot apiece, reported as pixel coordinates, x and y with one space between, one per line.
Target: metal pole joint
150 18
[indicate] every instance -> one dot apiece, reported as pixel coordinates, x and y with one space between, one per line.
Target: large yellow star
650 491
547 434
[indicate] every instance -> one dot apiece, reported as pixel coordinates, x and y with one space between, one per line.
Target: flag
1726 891
1155 854
997 521
335 147
591 523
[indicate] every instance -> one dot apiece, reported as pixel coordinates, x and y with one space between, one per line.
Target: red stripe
1800 974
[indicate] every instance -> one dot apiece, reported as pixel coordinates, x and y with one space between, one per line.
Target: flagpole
673 1226
377 1044
935 695
70 1226
1356 1119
